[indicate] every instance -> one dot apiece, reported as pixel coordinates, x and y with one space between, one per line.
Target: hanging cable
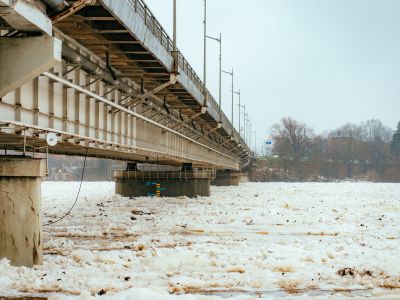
77 195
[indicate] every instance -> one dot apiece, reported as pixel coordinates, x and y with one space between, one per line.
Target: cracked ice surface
258 240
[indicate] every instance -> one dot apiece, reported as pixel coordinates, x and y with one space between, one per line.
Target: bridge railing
159 32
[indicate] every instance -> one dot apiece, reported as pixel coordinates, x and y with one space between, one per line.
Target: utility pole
238 93
255 143
205 53
241 131
250 134
219 40
174 51
245 126
174 25
230 73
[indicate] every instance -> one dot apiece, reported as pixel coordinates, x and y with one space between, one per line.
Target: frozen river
258 240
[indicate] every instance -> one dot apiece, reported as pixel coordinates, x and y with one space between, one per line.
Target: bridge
101 78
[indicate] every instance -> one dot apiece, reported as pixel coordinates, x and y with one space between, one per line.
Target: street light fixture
238 93
255 143
249 128
219 40
174 25
245 120
205 54
230 73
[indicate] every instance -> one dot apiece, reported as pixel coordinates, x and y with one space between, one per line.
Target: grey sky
323 62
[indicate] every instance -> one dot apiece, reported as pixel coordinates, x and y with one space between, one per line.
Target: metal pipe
57 5
87 65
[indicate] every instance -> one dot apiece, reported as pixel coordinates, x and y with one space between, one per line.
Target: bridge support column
244 177
226 178
188 182
20 210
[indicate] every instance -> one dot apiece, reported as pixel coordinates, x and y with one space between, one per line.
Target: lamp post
247 131
238 93
205 54
250 127
245 120
174 51
174 25
230 73
255 143
219 40
240 116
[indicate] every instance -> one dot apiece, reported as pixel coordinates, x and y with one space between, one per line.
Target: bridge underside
119 91
98 30
85 111
99 78
31 139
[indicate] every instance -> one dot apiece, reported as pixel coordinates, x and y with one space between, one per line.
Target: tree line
369 151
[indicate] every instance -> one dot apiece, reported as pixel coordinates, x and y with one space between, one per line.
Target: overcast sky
322 62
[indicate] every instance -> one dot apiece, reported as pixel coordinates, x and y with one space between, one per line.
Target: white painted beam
24 15
23 59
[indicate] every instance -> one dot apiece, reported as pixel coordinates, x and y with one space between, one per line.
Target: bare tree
292 139
377 136
348 130
344 144
350 150
374 129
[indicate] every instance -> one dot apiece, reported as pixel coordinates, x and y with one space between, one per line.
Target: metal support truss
126 110
172 80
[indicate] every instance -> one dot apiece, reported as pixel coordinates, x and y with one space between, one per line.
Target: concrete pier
226 178
244 178
185 182
20 210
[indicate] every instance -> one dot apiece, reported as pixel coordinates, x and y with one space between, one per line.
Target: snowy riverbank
294 240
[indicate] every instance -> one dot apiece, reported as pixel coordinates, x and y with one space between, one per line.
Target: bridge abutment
188 181
226 178
20 210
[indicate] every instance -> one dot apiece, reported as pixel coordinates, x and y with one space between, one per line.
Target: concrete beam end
27 16
23 59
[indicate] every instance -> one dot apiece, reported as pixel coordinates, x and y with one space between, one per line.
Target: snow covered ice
257 240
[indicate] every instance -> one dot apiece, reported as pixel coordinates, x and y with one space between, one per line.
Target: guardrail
159 32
